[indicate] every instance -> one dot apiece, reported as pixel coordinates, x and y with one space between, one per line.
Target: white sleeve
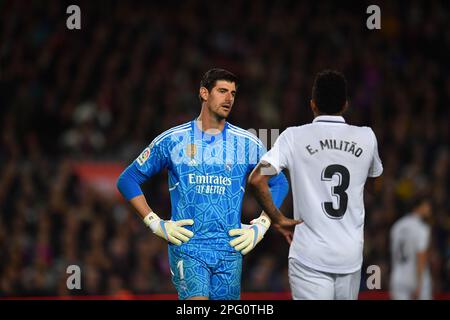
376 167
278 156
423 239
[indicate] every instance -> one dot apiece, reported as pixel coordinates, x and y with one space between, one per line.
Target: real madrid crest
191 150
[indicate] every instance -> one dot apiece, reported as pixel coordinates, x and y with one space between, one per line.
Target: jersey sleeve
423 239
153 159
278 156
376 167
278 184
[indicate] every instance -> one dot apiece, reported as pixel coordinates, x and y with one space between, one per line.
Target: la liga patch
143 156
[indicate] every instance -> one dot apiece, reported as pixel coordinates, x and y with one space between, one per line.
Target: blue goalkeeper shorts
204 272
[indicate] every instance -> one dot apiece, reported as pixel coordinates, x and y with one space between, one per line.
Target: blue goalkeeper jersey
207 175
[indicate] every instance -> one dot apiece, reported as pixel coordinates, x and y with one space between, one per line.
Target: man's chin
222 115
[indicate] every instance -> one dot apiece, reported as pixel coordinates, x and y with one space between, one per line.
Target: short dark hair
330 91
419 200
211 76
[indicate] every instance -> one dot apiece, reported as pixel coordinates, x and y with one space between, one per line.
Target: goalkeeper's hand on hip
249 235
169 230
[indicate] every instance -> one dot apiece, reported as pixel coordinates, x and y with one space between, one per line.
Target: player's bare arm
140 204
259 185
421 258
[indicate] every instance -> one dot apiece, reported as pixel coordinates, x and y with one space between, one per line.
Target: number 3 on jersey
337 191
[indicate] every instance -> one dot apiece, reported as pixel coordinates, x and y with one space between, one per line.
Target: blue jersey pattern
207 177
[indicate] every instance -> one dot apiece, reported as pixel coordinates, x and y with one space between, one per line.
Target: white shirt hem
312 265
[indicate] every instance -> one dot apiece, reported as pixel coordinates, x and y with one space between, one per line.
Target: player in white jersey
329 162
410 238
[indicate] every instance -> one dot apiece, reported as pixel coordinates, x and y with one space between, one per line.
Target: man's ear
345 106
313 106
204 94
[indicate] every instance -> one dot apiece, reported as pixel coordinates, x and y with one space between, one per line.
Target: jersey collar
203 134
329 119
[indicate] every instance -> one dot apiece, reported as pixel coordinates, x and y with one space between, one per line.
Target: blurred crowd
104 92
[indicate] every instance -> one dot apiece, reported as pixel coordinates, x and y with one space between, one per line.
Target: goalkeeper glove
249 235
169 230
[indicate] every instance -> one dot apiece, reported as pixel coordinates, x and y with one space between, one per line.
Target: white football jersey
328 162
409 235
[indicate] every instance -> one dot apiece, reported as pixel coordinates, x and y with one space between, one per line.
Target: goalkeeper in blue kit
208 160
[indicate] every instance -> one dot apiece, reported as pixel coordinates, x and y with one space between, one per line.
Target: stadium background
76 106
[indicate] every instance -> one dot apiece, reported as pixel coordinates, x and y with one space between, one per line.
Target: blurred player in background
208 161
329 162
410 241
